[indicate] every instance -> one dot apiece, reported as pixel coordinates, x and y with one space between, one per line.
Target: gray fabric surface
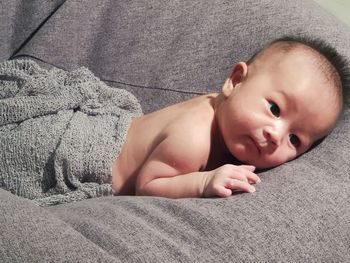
147 45
165 52
31 234
59 132
20 20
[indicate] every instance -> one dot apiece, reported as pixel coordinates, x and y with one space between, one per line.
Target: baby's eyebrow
289 100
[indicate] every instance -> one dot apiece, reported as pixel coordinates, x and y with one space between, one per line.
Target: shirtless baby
269 111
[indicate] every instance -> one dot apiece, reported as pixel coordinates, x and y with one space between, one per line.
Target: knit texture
59 132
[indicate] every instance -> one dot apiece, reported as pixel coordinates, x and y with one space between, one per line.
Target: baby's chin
259 164
243 155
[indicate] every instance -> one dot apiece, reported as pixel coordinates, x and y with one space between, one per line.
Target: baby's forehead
279 52
285 51
292 66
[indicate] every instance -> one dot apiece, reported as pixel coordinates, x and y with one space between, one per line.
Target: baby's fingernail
252 190
259 180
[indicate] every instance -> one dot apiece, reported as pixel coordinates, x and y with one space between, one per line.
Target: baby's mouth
254 142
260 145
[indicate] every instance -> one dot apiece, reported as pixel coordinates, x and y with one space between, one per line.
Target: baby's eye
274 109
294 140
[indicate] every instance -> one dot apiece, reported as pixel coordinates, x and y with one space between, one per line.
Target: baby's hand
221 181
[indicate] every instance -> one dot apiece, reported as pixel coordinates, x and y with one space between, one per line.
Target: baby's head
282 101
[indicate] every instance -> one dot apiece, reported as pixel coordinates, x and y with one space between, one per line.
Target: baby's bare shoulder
180 133
188 137
185 151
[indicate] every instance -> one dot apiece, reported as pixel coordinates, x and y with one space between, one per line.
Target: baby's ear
239 72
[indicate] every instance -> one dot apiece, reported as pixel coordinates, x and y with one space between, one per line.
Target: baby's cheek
280 158
290 157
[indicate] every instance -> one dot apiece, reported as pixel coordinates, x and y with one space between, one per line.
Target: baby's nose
273 136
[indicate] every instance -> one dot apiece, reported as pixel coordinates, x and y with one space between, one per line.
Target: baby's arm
169 172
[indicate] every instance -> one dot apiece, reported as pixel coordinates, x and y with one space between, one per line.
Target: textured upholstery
164 52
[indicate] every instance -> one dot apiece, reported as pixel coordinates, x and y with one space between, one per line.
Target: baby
270 110
61 131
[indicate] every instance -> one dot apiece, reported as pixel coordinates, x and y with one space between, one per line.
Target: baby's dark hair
337 67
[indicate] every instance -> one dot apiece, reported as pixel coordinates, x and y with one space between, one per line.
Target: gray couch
165 52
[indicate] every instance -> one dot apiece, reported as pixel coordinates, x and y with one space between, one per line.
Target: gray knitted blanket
59 132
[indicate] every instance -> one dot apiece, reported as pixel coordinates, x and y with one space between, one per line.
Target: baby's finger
244 175
223 191
239 175
234 184
249 173
253 178
248 167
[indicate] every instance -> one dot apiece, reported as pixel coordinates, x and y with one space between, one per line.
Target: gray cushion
19 22
166 51
181 45
31 234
